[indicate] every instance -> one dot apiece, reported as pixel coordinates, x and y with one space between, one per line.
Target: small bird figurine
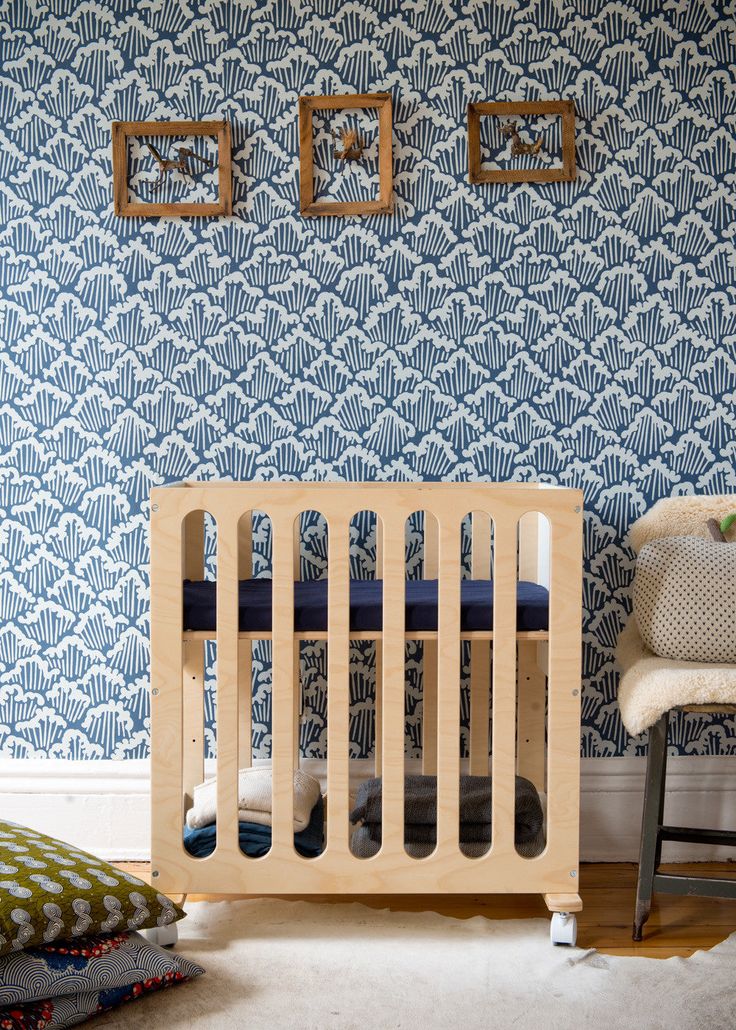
174 164
517 146
352 145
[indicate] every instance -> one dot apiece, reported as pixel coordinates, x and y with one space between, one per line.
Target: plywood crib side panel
336 870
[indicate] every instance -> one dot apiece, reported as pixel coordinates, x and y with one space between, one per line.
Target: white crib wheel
164 936
563 929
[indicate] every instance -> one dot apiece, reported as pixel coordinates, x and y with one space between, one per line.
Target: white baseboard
103 806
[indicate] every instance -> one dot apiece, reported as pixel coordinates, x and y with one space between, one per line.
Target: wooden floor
677 926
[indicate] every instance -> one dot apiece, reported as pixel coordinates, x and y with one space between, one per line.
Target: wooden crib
534 681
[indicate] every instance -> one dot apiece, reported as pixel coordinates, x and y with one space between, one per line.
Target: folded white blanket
254 799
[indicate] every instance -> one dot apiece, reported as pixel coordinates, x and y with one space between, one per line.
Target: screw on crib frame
654 832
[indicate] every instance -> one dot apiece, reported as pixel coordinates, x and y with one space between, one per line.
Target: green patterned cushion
51 890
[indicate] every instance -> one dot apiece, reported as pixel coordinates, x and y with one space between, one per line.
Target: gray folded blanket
362 845
420 809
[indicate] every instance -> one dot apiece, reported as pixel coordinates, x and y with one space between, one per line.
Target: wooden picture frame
564 108
384 204
127 208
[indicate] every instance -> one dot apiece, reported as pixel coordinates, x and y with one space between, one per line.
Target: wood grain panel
393 684
447 870
338 686
282 708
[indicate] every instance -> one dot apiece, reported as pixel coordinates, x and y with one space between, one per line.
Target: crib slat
429 662
529 532
531 714
564 678
480 653
379 546
503 760
245 545
193 531
245 681
448 690
166 680
193 715
394 572
193 675
228 662
297 700
338 685
297 673
378 725
282 665
245 703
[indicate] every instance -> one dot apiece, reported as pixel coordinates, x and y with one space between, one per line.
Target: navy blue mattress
366 595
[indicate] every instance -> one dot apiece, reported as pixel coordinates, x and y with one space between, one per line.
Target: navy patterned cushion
62 984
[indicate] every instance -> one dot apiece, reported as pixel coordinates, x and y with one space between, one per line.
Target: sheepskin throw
650 685
685 599
682 516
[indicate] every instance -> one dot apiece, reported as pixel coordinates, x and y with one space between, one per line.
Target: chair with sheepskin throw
678 652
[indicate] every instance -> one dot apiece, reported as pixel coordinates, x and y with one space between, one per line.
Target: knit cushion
685 599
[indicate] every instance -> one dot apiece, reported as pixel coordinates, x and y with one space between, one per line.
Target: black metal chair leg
652 818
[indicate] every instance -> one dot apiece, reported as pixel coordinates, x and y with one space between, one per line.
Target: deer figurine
175 164
352 144
517 146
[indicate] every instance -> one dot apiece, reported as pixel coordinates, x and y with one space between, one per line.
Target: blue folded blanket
255 840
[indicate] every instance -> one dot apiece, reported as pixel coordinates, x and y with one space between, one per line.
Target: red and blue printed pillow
62 984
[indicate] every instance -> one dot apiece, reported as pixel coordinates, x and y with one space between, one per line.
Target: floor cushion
51 891
64 983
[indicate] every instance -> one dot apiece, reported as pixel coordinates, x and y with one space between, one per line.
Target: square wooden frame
566 108
307 106
127 208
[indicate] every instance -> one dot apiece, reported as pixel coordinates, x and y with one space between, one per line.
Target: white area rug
281 964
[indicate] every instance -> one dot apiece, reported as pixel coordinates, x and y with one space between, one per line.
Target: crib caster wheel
563 928
164 936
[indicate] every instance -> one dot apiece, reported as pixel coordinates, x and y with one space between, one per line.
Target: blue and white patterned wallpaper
582 333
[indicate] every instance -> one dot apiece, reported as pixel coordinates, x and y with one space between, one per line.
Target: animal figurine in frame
353 145
517 144
175 164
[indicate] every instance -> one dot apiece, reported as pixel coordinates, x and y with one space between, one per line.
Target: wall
580 333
